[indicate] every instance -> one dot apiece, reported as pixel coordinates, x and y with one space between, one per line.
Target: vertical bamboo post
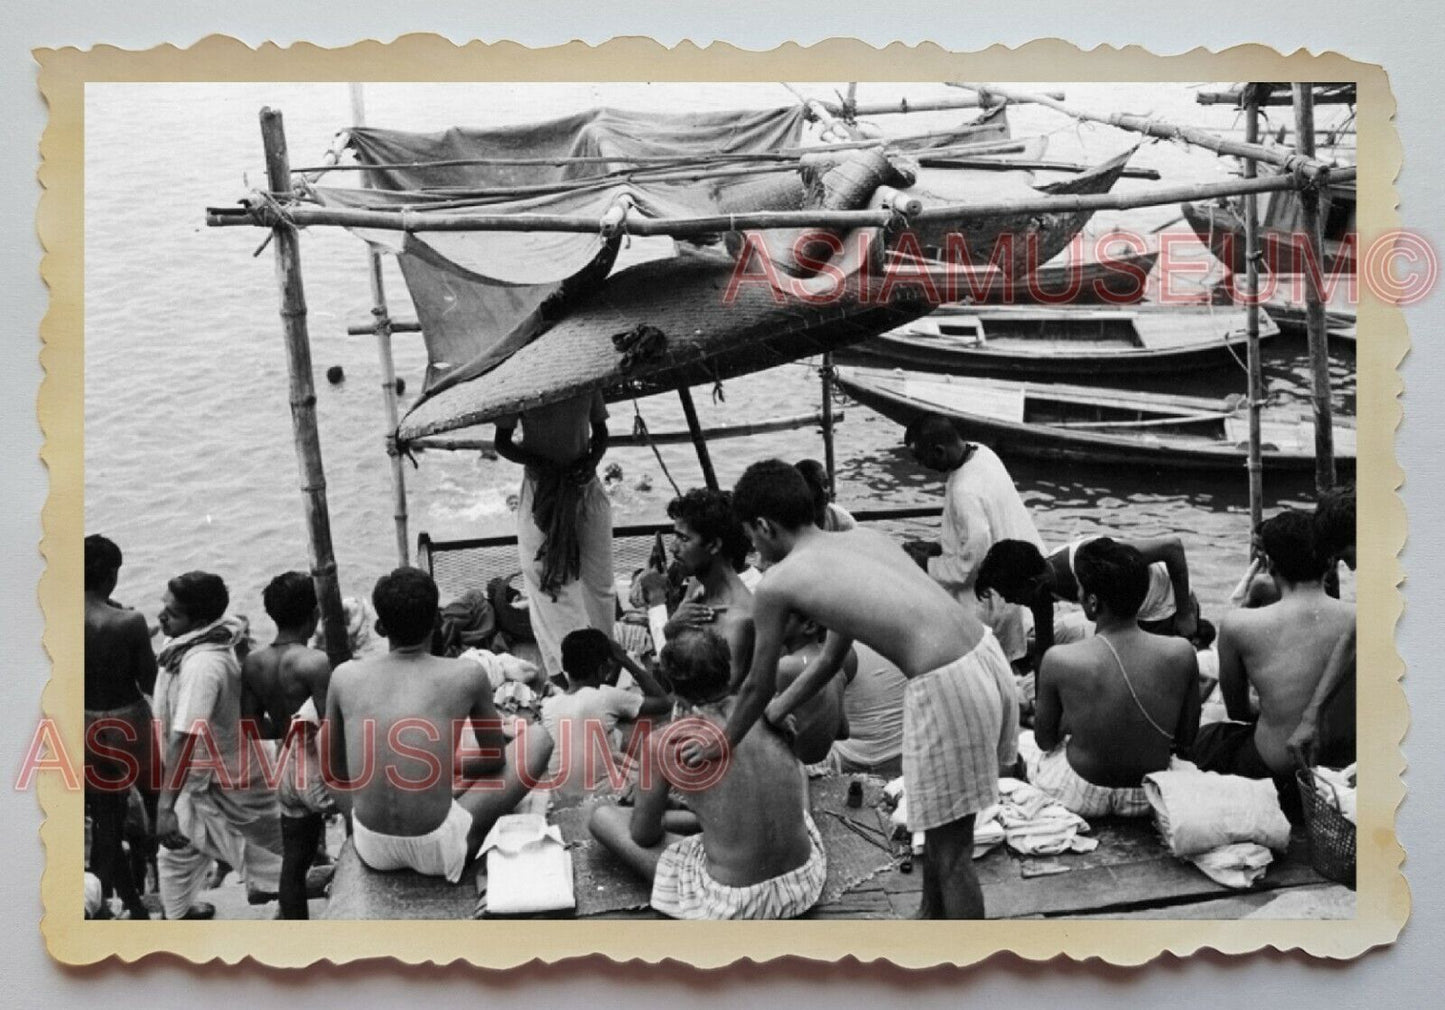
303 396
1251 275
826 373
1304 126
381 326
698 441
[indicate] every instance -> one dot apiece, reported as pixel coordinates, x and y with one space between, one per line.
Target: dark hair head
290 599
102 562
1289 543
709 514
1115 573
771 489
697 662
817 477
1335 522
584 652
1009 569
406 605
201 595
931 430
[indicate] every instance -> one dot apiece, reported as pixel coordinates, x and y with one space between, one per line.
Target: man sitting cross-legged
960 710
1282 651
395 723
759 855
1128 698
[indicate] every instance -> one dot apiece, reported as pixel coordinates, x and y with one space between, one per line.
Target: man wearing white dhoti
564 520
211 805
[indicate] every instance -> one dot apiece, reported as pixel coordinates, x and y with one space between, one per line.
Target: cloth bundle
528 867
1036 824
1225 825
638 345
1337 788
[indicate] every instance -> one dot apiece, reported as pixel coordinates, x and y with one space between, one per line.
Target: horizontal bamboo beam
1169 131
656 438
1284 96
903 106
263 215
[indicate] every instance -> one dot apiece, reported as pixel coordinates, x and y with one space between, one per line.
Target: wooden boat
1290 315
1114 280
1079 424
1220 226
1031 342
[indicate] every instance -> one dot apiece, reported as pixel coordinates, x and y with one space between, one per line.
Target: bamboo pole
1169 131
903 106
1304 125
629 440
1255 367
261 214
303 399
382 328
699 443
1274 96
825 373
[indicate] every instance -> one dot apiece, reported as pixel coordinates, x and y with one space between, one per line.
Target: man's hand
168 830
1301 743
697 752
1186 621
695 615
786 723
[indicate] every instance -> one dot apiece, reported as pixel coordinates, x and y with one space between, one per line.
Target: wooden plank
1327 901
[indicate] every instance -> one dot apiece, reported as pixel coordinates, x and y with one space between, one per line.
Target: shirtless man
704 537
1019 572
1282 651
394 724
759 855
1129 698
821 720
960 717
120 669
285 684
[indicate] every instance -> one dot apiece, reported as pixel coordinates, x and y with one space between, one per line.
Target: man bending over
395 723
960 715
1129 698
759 855
1282 651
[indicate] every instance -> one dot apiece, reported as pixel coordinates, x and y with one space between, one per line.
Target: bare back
862 585
1282 651
733 621
119 663
752 819
417 705
282 678
1083 693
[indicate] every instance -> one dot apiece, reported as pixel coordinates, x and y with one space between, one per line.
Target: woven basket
1331 835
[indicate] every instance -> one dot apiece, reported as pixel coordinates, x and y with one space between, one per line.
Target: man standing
1282 651
564 519
960 710
210 807
286 682
1129 698
981 507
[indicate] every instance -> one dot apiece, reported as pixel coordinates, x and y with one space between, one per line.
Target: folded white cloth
988 833
1036 824
1197 811
1337 788
1237 865
528 867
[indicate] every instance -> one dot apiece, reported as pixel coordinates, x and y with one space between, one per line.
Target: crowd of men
838 648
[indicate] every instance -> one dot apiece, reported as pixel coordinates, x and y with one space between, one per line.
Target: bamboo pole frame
825 375
1254 362
382 328
303 399
1304 125
447 443
704 458
260 213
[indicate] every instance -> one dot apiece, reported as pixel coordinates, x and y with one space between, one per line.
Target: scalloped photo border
1383 899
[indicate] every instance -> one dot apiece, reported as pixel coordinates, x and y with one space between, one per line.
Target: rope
639 428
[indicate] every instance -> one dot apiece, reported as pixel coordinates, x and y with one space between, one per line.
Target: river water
188 455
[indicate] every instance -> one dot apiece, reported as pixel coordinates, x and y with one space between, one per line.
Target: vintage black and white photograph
705 500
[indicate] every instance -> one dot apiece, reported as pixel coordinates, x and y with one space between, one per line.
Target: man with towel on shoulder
394 727
564 520
981 506
1282 651
960 710
1129 698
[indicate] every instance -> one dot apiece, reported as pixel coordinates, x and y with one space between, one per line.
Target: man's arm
1043 613
1302 741
1188 726
650 804
143 658
964 540
740 650
510 450
1048 707
770 615
316 675
1233 678
656 700
253 706
487 726
823 668
335 735
1170 550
